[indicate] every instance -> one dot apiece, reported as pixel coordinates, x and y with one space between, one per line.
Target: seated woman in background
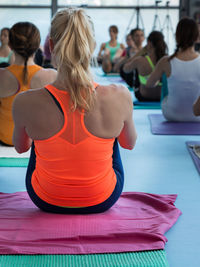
182 70
6 55
131 78
110 51
128 52
144 61
73 124
21 76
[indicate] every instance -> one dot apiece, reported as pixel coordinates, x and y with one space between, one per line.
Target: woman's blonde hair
73 38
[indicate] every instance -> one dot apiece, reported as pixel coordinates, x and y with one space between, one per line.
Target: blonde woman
73 124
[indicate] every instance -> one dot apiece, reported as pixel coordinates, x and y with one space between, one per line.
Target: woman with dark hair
144 61
134 42
24 74
110 51
182 71
131 78
73 125
6 54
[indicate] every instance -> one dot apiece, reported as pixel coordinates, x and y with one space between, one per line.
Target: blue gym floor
157 164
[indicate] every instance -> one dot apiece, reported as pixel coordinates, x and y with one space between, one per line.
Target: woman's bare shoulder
43 77
113 93
9 83
5 73
164 60
111 88
31 94
47 72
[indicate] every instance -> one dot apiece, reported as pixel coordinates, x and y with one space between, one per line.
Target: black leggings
118 168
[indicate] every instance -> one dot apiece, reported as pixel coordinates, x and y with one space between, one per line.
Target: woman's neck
138 46
19 60
189 50
188 54
60 82
5 47
113 40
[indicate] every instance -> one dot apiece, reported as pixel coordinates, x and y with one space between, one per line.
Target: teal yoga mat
155 258
13 162
100 73
146 105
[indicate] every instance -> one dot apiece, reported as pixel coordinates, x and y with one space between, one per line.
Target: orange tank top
6 120
73 167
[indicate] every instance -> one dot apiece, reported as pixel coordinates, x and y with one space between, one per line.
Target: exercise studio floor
158 164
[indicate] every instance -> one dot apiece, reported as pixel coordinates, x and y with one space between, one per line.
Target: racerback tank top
73 167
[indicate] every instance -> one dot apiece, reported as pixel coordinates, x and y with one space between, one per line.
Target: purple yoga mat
136 222
160 126
195 159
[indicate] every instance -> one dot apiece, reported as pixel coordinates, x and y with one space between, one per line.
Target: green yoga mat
155 258
13 162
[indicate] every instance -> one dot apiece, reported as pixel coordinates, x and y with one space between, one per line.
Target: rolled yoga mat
159 125
10 158
137 222
194 150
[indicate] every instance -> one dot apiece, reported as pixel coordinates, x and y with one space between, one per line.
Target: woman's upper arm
21 140
128 135
157 73
102 47
131 64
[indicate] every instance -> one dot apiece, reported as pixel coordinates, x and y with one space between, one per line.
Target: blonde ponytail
73 38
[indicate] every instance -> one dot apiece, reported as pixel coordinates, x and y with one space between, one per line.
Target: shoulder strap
107 44
95 85
17 72
55 100
10 54
32 70
150 62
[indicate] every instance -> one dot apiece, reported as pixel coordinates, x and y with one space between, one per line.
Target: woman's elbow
129 144
196 111
126 68
21 150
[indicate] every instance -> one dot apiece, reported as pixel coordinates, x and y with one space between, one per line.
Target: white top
183 90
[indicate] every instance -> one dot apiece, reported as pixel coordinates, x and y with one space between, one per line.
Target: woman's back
183 89
11 85
105 120
89 156
83 141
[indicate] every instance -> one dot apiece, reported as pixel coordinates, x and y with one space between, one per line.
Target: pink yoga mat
160 126
136 222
